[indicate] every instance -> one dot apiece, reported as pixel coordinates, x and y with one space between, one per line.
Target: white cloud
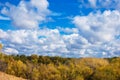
46 41
2 34
93 3
43 42
101 30
10 51
68 30
80 43
100 26
97 4
26 14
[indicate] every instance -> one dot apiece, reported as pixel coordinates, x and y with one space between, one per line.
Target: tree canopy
36 67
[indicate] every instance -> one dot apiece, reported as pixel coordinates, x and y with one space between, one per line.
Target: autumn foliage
36 67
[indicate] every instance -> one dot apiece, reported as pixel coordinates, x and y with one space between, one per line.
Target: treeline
36 67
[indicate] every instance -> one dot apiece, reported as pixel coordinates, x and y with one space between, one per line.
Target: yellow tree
35 74
105 73
1 55
49 72
1 46
17 68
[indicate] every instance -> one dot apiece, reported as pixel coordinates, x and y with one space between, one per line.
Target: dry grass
4 76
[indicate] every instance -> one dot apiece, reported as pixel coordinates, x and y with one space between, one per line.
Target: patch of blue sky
66 7
15 2
6 25
39 37
117 37
64 23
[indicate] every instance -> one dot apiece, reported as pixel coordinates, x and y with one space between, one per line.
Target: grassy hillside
36 67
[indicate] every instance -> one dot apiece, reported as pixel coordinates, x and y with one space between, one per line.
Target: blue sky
68 28
62 10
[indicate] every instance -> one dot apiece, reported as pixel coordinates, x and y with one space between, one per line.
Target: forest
36 67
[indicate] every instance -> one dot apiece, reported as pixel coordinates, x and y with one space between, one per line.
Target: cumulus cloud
95 35
93 3
101 30
27 14
102 26
76 44
43 42
68 30
10 51
97 4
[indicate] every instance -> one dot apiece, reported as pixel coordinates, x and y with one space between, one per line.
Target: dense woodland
36 67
